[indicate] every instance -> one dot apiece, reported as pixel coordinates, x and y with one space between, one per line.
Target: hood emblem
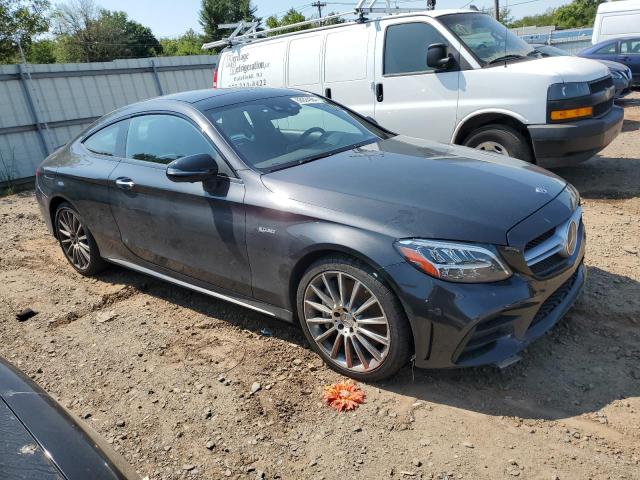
541 190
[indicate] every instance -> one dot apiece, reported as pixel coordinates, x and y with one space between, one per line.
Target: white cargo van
616 19
454 76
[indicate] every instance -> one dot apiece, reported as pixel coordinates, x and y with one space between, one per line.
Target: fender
497 111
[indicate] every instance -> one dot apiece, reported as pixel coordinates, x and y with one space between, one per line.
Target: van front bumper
567 144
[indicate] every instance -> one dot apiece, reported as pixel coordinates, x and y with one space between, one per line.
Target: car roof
219 97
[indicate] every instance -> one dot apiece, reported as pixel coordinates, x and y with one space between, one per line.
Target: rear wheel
352 320
502 140
76 241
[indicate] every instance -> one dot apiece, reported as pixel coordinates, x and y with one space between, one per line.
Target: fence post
156 76
32 110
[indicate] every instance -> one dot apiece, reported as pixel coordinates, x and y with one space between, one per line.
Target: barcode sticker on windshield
306 100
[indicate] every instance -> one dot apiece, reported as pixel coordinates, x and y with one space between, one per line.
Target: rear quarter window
105 141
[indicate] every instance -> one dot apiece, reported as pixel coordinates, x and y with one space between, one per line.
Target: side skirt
272 311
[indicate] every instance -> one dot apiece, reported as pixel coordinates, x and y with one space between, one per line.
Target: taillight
215 78
38 172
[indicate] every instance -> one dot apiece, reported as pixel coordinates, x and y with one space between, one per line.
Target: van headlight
563 101
562 91
454 261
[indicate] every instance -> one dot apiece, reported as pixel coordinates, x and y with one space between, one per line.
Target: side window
405 47
164 138
105 141
607 49
630 46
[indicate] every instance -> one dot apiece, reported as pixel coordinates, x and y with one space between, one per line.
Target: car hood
407 187
569 69
611 65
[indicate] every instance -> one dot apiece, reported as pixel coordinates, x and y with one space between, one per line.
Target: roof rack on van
246 32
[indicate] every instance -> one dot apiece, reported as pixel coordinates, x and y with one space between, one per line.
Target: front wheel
352 320
502 140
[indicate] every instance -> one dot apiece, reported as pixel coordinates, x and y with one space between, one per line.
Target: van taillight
215 78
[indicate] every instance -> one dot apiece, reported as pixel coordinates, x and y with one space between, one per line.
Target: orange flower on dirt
343 396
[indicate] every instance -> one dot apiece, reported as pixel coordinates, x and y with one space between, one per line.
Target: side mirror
372 120
193 168
437 56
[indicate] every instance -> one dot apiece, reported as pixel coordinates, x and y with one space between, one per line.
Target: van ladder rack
247 32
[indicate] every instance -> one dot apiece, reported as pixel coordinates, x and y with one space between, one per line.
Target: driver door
412 98
196 229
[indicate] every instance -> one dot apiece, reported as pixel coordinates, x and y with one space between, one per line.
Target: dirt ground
165 374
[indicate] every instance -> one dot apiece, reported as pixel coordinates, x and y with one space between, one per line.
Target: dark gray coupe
384 248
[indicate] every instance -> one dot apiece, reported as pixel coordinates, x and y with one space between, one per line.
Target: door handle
125 183
379 92
327 92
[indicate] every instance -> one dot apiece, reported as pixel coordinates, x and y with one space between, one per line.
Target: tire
77 243
500 139
333 323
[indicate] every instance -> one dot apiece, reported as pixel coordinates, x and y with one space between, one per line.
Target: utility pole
319 6
496 8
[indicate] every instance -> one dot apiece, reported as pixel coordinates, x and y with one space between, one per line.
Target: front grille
602 108
538 240
542 253
600 85
555 299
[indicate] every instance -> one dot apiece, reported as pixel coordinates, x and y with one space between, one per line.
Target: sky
170 18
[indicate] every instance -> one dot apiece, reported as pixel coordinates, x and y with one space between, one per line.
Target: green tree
289 18
20 20
190 43
215 12
539 20
579 13
88 34
42 51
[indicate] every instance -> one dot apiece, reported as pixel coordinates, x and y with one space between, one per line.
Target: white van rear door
348 66
412 98
303 66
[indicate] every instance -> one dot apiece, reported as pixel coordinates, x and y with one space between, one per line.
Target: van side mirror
192 168
437 57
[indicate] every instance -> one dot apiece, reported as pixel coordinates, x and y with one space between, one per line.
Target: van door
412 98
305 56
349 66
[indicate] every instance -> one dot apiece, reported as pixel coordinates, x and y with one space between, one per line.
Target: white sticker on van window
306 100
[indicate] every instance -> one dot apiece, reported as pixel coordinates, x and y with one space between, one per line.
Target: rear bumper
566 144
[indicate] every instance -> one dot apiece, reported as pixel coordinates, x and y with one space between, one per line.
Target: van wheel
352 320
502 140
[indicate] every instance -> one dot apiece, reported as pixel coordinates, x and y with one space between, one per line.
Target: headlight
616 74
454 261
562 91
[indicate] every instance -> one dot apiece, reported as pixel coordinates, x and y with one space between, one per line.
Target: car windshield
274 133
489 40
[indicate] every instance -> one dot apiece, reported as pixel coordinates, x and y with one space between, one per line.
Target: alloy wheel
73 239
493 147
347 321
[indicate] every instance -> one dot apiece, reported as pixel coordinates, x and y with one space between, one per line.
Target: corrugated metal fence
43 106
572 41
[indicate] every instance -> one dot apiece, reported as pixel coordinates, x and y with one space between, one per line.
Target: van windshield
490 41
274 133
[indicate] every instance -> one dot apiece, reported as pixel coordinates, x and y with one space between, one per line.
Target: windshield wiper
318 156
504 58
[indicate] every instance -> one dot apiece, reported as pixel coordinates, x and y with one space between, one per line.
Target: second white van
616 19
454 76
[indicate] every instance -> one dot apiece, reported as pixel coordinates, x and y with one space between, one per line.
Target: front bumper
462 325
566 144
